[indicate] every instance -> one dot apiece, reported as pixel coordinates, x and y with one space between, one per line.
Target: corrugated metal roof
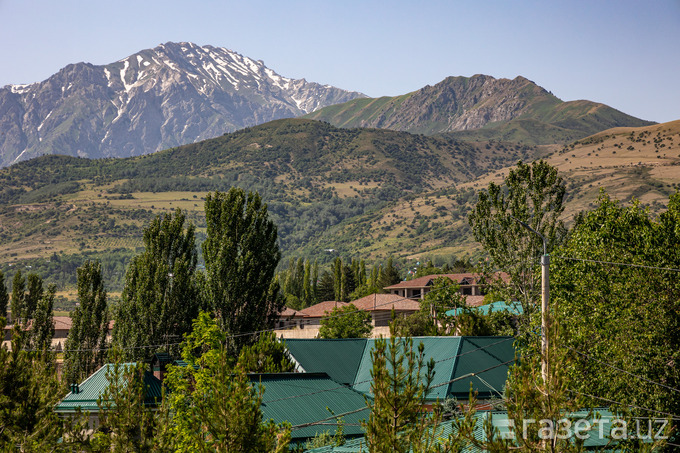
349 361
442 349
514 308
301 398
501 422
339 358
96 384
478 354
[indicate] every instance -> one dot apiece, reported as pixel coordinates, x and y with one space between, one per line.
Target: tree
42 328
346 322
241 254
622 316
214 405
126 422
18 296
85 348
268 355
532 194
161 295
389 275
34 294
29 389
4 297
401 382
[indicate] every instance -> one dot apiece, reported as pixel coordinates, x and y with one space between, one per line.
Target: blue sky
623 53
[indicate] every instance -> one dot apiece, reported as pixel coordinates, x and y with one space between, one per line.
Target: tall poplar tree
33 295
4 297
241 254
85 348
161 295
18 296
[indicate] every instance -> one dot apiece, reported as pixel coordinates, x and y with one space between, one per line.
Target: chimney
75 389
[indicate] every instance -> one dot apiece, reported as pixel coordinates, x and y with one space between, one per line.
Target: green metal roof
501 422
349 361
96 384
340 358
513 308
301 398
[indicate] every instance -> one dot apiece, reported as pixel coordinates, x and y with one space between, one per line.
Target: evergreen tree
85 348
389 275
161 296
307 287
401 382
241 254
337 279
4 297
326 287
18 296
315 283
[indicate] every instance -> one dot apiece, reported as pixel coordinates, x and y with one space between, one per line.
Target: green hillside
481 108
314 177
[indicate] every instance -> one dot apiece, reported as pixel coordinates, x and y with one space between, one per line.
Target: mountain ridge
477 108
173 94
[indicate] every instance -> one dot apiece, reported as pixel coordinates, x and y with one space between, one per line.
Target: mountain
173 94
366 193
312 175
481 108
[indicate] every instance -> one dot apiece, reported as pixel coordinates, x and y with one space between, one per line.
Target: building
471 286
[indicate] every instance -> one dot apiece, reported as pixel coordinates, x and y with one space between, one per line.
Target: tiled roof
474 301
386 302
301 398
319 310
62 322
422 282
290 313
96 384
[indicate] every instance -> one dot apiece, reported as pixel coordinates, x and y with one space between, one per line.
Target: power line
369 380
672 416
643 266
624 371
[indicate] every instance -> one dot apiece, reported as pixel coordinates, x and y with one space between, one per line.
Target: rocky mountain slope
173 94
481 108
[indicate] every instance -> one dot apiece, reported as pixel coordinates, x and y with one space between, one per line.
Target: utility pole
545 302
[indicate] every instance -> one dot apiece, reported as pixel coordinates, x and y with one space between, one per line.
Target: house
459 362
290 318
380 306
471 286
304 399
314 314
83 397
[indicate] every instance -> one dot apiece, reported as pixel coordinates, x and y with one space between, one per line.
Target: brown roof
377 302
290 313
474 301
62 323
319 310
466 278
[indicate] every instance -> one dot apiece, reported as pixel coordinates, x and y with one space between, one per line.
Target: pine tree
241 254
161 295
85 348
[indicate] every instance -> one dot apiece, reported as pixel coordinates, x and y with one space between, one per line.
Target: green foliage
214 406
267 355
241 255
18 296
28 392
622 316
401 382
346 322
85 347
42 328
532 194
4 297
126 422
161 295
33 295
